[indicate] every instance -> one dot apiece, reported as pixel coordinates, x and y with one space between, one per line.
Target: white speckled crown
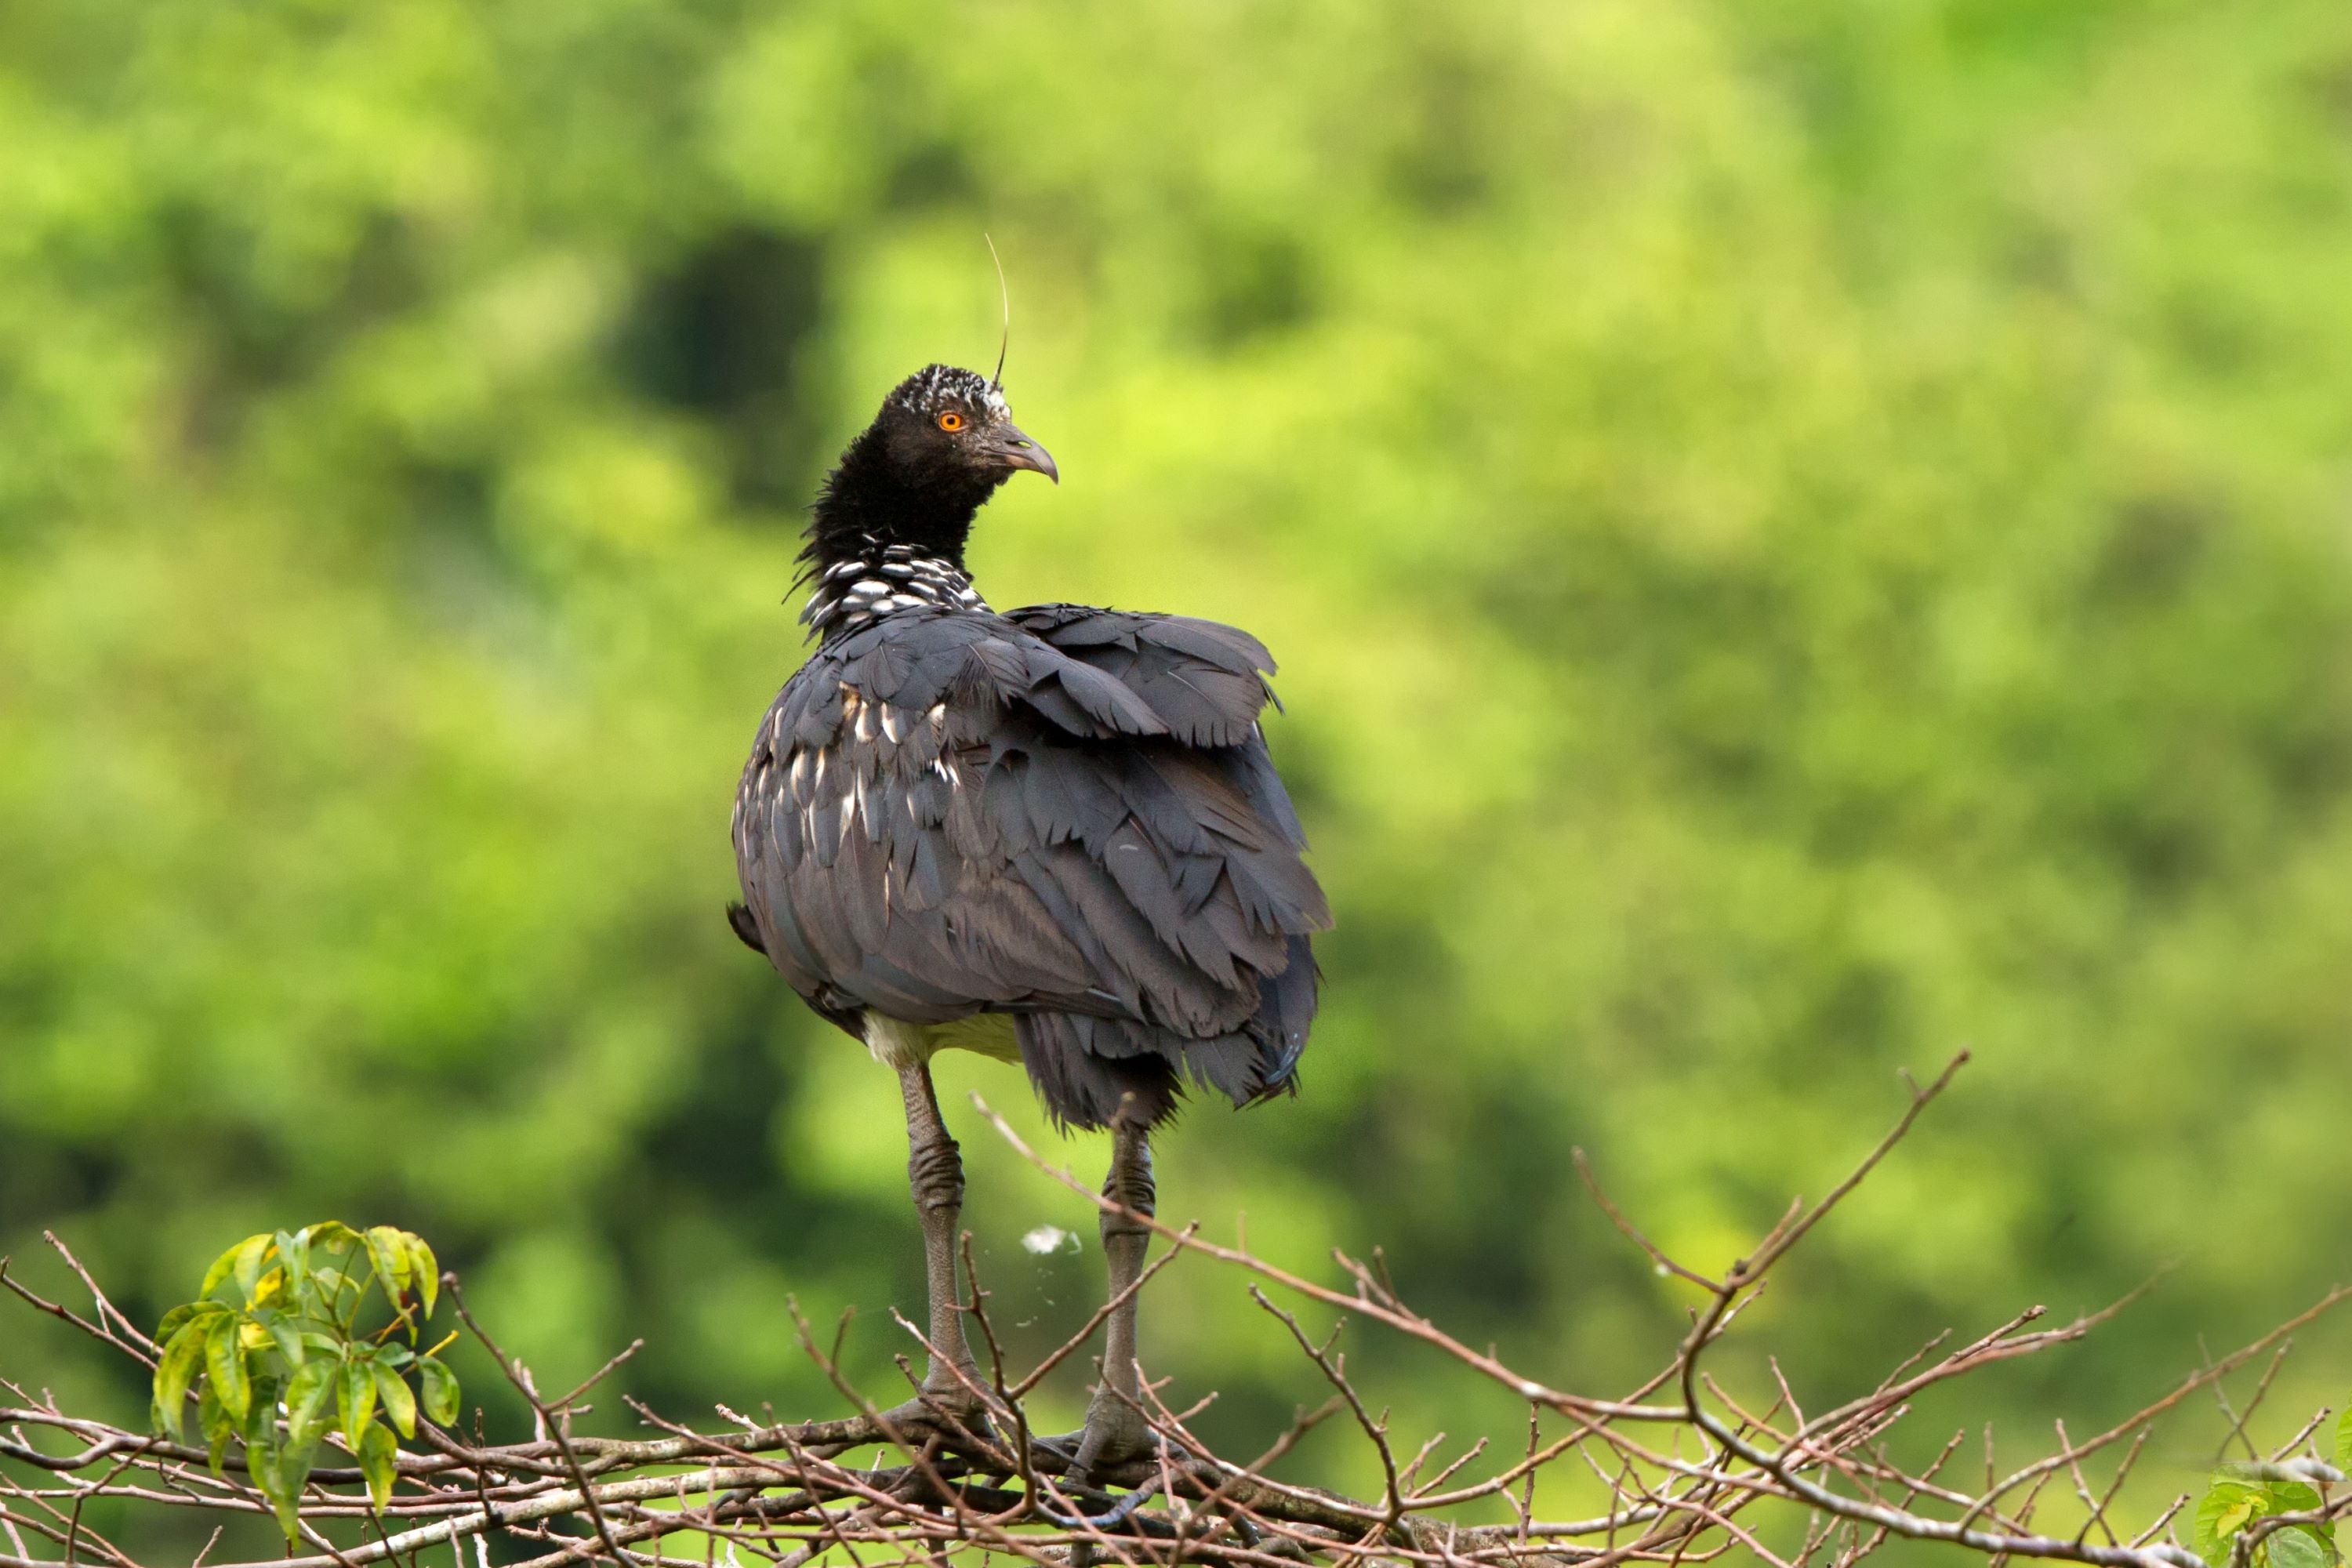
935 386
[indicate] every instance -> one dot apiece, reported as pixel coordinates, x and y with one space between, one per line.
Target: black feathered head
942 443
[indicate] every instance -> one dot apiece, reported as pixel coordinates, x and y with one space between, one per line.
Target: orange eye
950 421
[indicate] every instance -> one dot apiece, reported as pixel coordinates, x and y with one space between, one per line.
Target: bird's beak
1014 449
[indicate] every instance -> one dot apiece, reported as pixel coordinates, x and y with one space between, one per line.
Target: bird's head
942 443
951 425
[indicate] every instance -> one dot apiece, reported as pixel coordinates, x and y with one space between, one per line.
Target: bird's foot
1106 1451
947 1408
1115 1435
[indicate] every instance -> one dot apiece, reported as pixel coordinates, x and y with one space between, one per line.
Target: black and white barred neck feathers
858 591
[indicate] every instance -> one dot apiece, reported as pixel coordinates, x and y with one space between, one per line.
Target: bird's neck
885 581
871 503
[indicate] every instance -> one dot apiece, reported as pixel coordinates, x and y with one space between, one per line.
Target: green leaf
388 1251
428 1271
224 1363
293 1468
330 1233
2229 1507
399 1404
440 1391
288 1339
262 1459
183 1356
2344 1436
260 1430
2297 1548
355 1400
225 1264
306 1401
294 1253
2290 1497
175 1319
376 1453
220 1427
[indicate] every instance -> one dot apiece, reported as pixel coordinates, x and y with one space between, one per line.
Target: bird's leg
935 1175
1116 1430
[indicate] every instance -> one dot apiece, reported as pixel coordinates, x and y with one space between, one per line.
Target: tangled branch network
1687 1473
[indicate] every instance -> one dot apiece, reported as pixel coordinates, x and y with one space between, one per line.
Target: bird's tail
747 929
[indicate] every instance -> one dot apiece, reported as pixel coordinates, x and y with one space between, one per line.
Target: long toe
947 1412
1115 1435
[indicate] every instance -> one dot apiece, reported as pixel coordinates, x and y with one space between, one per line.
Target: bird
1052 836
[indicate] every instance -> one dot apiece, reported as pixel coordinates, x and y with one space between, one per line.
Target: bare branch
1681 1462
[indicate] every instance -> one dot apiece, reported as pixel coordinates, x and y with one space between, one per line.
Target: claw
1114 1515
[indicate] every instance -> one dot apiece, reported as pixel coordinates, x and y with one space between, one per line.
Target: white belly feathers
899 1044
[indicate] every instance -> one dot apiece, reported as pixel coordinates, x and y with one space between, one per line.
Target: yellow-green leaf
376 1463
293 1471
224 1363
177 1367
294 1254
220 1427
283 1497
225 1264
428 1271
388 1251
399 1404
251 1255
306 1401
261 1462
355 1401
440 1391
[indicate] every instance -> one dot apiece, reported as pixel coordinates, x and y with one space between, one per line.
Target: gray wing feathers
1065 815
1205 682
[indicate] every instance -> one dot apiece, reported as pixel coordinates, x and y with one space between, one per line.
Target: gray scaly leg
1116 1430
935 1175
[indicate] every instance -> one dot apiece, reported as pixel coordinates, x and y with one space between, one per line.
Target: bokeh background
1802 537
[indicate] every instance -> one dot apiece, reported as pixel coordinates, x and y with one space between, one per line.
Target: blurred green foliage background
1801 536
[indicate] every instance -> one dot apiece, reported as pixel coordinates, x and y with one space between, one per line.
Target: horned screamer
1052 836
